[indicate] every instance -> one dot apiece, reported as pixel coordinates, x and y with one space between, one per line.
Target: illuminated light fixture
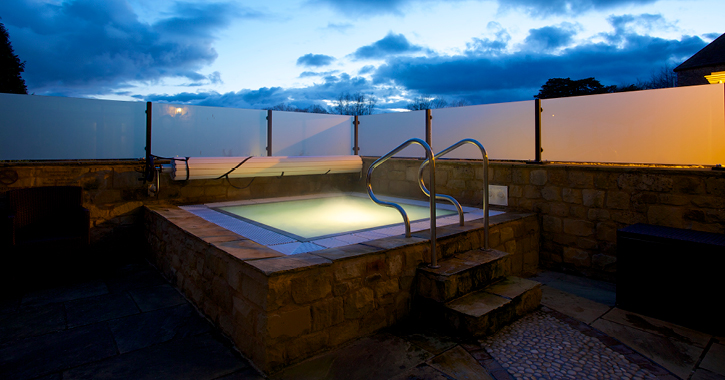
179 111
715 78
275 166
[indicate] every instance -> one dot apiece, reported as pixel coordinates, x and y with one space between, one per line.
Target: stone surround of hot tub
280 309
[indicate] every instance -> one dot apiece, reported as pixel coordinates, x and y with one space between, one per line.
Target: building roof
710 55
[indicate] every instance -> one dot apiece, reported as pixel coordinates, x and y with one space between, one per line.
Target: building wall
692 77
580 207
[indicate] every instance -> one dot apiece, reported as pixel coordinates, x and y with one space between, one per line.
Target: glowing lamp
715 78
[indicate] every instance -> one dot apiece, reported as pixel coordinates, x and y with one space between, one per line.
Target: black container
672 274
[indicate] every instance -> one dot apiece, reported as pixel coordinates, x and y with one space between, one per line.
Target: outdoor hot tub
284 293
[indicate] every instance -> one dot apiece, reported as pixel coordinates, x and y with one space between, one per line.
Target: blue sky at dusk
255 54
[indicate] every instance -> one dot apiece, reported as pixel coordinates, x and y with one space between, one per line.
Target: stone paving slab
678 357
146 329
458 364
156 297
714 360
90 310
65 293
41 355
194 358
30 321
134 276
655 326
423 372
381 356
580 308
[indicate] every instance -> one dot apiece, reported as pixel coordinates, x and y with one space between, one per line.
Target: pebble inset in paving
539 346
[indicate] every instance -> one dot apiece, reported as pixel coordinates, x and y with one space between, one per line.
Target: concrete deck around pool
281 309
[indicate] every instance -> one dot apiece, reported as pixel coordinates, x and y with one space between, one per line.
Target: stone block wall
282 309
580 207
115 196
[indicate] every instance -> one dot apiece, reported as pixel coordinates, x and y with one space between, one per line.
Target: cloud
82 47
330 88
367 69
623 58
308 74
497 45
359 8
339 27
315 60
390 45
550 38
543 8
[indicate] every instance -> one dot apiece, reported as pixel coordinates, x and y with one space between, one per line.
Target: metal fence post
269 133
537 133
149 170
429 127
356 148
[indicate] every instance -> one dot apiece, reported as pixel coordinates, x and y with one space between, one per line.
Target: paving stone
580 308
244 374
65 293
714 360
380 356
677 357
658 327
90 310
9 303
146 329
156 297
134 276
41 355
703 374
459 364
198 357
32 321
428 340
423 372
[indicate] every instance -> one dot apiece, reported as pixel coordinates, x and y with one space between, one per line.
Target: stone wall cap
288 264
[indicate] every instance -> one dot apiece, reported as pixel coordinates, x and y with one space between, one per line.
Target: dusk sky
255 54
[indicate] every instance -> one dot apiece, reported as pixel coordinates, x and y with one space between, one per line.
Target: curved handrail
430 157
440 197
485 184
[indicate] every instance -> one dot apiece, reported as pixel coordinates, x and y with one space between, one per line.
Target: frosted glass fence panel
379 134
311 134
42 127
506 130
198 131
684 125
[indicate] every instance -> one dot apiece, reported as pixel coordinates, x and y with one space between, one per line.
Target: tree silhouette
10 66
563 87
354 104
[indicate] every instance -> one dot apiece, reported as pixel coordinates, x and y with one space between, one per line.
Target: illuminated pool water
317 217
300 224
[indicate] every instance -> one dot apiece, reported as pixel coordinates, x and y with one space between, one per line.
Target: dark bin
672 274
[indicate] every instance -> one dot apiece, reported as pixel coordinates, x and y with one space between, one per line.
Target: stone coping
271 263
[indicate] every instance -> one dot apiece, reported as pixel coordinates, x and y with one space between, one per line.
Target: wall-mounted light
715 78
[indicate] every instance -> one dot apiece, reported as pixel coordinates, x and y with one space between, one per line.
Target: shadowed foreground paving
124 321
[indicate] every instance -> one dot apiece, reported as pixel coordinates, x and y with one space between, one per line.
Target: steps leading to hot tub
473 294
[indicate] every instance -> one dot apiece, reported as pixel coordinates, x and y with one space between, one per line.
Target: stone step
486 311
462 273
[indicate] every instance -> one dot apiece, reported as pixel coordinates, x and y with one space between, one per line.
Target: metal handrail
430 157
450 199
440 197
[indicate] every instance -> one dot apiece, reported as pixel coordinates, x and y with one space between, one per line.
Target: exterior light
179 111
715 78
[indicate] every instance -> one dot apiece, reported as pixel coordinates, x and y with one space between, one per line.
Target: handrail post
433 242
429 127
537 133
430 157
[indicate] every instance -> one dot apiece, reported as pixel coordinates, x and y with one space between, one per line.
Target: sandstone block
569 195
327 313
344 332
593 198
551 224
598 214
581 179
551 193
310 287
577 257
669 216
289 324
578 227
604 262
618 200
538 177
359 303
